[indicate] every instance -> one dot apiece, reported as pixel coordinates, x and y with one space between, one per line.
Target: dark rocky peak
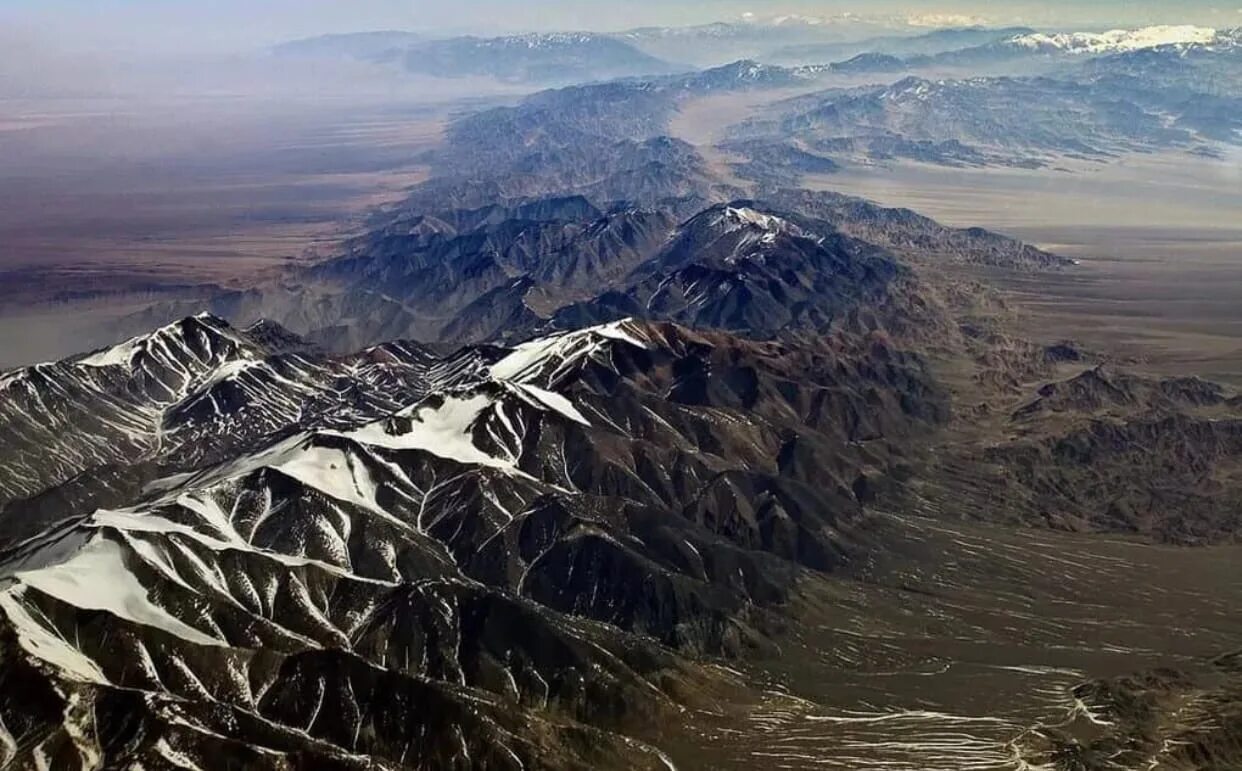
275 338
736 76
728 231
1104 388
871 63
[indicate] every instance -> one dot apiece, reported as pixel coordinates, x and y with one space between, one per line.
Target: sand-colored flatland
1158 239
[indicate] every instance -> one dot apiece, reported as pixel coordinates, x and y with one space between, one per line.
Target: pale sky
204 25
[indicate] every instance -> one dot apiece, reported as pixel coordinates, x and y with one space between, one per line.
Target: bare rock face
1162 717
505 571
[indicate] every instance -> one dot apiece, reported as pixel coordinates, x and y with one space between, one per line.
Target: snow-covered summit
1117 40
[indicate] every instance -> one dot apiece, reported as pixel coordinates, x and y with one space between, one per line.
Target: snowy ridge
104 562
195 388
543 40
546 360
740 217
173 346
1117 40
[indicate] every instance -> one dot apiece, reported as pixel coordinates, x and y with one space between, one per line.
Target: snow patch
748 216
554 402
96 578
116 356
45 645
441 429
333 472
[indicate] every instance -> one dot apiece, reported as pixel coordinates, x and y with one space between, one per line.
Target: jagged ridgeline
270 562
793 262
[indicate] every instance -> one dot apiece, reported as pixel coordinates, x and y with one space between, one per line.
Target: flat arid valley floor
101 204
1158 240
965 638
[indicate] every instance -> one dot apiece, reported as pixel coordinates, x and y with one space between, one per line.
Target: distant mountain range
1018 53
573 58
555 211
538 58
551 58
1149 95
926 44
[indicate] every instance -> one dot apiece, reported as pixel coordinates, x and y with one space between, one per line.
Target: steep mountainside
798 264
459 581
981 121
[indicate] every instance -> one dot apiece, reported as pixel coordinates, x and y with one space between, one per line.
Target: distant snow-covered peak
545 39
797 20
744 215
1117 40
175 340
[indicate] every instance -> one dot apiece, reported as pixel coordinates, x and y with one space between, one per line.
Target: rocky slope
517 559
790 263
983 121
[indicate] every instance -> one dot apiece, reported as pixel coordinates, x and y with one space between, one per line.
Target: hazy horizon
143 26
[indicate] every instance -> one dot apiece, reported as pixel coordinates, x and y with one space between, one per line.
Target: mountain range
565 58
1138 101
599 451
224 546
541 58
271 565
509 272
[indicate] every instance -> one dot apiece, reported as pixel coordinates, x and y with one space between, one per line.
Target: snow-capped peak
747 217
544 359
537 40
170 339
1117 40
